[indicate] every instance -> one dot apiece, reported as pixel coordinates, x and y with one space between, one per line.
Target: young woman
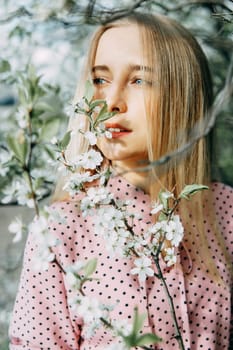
154 76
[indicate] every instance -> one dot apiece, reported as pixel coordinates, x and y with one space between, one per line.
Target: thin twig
20 12
205 126
178 335
27 166
191 3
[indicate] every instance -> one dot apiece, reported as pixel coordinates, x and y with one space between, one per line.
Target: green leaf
190 190
23 95
162 216
105 116
96 103
134 339
4 66
44 105
19 147
66 140
148 339
138 321
49 102
18 31
50 152
89 91
90 267
49 129
103 111
163 200
32 76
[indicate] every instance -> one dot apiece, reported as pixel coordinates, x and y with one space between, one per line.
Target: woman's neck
137 178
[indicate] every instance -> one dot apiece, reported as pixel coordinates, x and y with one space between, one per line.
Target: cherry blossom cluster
115 222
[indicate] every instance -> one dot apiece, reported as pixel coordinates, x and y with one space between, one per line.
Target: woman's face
120 76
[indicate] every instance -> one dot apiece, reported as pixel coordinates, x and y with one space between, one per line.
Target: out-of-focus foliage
25 138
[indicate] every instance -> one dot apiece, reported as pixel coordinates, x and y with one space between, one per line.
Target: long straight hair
177 107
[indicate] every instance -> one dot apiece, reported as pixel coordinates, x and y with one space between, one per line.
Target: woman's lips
117 130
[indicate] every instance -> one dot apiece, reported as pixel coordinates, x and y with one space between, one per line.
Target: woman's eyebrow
131 68
137 67
101 68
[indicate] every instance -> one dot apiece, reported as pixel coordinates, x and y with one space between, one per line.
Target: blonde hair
176 105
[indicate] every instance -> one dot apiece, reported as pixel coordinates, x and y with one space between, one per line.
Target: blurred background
42 47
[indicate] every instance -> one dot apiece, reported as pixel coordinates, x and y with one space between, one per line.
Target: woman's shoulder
222 192
222 195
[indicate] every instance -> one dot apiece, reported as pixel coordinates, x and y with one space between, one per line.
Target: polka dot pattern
42 318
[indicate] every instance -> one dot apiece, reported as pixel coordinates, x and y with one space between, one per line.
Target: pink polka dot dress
43 319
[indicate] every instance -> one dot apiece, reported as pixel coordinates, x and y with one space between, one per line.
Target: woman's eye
140 81
98 81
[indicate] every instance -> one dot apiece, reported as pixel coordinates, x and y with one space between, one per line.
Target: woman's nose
116 100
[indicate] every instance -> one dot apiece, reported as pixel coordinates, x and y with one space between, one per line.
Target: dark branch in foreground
200 130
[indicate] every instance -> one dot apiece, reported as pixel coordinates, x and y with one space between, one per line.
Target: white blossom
38 173
89 329
156 207
73 272
24 197
99 195
116 241
95 196
159 226
22 117
117 346
138 244
174 231
17 228
18 191
166 195
143 268
108 134
42 259
91 137
73 281
155 243
69 110
54 140
76 181
55 215
76 267
4 158
122 327
109 218
88 160
133 216
44 241
110 224
170 256
102 179
9 192
89 309
74 301
87 206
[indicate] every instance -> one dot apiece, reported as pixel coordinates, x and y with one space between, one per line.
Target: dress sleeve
223 196
41 317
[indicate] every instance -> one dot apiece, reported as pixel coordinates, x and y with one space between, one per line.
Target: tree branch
191 3
205 126
20 12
